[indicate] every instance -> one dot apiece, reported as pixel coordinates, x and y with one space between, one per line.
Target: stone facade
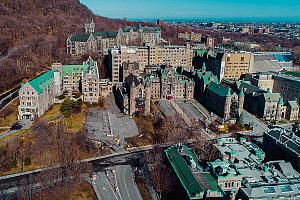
165 82
38 95
287 86
148 55
133 96
208 91
90 82
229 65
190 36
100 42
292 111
140 35
263 104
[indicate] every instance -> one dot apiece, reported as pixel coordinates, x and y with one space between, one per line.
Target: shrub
27 161
77 95
13 164
61 97
69 107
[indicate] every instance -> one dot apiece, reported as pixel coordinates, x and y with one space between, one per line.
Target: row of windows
28 98
231 184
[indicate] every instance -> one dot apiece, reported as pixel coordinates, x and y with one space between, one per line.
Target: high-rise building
148 55
230 65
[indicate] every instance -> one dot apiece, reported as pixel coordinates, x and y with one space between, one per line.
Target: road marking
117 183
126 186
111 187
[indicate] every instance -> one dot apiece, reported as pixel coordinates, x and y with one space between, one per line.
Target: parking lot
190 110
166 108
109 124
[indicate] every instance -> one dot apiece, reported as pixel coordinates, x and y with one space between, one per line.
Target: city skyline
235 10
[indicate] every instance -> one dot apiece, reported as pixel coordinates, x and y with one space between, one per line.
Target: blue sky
172 9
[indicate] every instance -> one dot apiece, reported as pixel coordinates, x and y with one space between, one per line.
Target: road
7 97
103 187
116 183
25 124
126 185
9 182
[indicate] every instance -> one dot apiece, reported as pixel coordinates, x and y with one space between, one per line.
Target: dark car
16 126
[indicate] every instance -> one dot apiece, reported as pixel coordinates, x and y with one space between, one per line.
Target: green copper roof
70 69
271 96
219 89
83 37
80 37
106 34
280 101
228 92
42 81
196 182
211 183
203 66
241 94
200 52
293 104
184 174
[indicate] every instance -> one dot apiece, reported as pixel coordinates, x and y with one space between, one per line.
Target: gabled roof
247 87
194 181
132 80
70 69
83 37
184 173
106 34
271 96
42 81
293 104
219 89
80 37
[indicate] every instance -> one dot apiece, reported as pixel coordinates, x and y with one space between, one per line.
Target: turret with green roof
241 94
204 67
280 101
228 93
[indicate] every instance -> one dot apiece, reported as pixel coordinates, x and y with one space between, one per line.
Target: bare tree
160 174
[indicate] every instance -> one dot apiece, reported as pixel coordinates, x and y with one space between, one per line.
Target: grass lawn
12 115
52 112
74 123
17 133
146 130
77 121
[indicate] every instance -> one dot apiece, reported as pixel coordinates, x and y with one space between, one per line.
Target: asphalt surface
6 98
126 185
107 125
104 187
259 128
24 123
166 108
189 109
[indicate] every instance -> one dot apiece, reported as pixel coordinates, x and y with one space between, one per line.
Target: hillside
33 35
